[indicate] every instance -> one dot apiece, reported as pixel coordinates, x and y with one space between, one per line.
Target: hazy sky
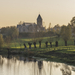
52 11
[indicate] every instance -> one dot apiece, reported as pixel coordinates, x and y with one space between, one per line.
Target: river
30 66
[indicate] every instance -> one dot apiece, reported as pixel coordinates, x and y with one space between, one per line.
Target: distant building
55 28
31 27
39 21
26 27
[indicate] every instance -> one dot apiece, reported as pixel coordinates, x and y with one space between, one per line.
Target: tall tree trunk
34 44
39 44
51 44
46 43
25 46
29 45
65 43
56 43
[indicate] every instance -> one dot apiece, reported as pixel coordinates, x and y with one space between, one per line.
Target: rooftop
39 17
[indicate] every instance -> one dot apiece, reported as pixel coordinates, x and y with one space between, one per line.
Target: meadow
19 43
61 53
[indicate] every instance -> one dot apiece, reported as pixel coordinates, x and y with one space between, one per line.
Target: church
31 27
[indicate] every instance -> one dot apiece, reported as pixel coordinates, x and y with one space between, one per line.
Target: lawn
18 43
61 53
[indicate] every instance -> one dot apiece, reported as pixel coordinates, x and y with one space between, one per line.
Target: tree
57 29
10 31
65 33
1 41
34 38
29 43
73 24
74 34
7 41
39 38
46 43
51 39
56 41
53 30
34 42
73 21
15 32
3 30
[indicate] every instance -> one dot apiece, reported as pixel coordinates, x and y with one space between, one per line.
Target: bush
1 41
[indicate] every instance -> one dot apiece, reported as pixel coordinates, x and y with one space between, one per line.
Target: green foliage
10 31
56 38
51 39
7 41
53 30
34 39
74 30
65 32
1 41
73 21
15 43
15 32
39 36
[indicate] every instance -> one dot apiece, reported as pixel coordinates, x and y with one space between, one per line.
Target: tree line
66 33
7 34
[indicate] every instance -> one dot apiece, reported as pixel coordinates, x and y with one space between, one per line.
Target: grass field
18 43
61 53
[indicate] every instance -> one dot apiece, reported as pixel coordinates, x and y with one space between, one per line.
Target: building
31 27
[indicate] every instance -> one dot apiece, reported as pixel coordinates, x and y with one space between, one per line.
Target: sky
52 11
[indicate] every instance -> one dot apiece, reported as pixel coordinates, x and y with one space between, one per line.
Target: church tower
39 21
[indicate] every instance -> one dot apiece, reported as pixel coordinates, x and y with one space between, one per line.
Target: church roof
39 17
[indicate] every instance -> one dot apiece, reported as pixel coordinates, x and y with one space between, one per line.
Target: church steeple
39 17
39 20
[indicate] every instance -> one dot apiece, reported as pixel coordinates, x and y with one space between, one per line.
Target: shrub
1 41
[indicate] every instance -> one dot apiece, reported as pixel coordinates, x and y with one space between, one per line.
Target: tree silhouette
56 41
46 43
51 39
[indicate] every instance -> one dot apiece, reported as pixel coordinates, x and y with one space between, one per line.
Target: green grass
61 53
17 42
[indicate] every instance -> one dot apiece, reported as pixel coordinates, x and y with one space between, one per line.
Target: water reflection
29 66
66 70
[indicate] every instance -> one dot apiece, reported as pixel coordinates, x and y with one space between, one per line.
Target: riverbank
65 54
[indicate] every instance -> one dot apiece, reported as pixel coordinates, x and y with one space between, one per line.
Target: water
29 66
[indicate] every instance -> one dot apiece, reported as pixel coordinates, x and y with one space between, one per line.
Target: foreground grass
58 54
